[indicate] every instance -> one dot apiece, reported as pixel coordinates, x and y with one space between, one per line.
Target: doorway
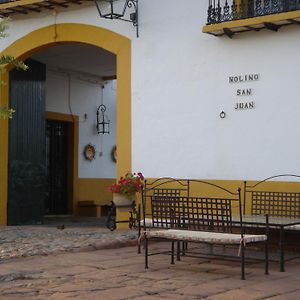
42 39
56 167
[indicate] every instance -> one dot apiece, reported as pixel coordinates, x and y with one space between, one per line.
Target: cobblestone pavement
44 262
22 241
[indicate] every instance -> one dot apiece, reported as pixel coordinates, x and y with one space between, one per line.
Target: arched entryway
64 33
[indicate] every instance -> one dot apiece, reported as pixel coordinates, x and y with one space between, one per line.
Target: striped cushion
293 227
149 223
205 237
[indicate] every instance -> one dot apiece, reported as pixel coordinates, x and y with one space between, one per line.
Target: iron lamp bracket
110 12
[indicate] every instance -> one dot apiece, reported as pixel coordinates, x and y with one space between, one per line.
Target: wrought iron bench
200 220
283 208
284 204
165 186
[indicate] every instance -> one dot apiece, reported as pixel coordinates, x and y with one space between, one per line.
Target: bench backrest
193 213
171 209
167 192
166 186
276 204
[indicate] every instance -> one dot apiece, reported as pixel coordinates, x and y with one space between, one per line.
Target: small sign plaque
244 92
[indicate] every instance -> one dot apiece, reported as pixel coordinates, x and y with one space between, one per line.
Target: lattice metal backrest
167 192
164 211
166 187
203 213
276 204
193 213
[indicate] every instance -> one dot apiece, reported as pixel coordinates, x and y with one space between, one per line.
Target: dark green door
27 155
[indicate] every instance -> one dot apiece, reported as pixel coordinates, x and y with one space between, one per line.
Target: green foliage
8 59
6 112
3 28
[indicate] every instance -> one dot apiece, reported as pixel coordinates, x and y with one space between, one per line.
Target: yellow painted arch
70 32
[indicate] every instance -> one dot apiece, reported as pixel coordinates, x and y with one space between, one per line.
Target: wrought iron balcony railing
229 10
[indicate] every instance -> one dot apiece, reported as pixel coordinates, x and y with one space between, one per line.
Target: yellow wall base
203 190
95 191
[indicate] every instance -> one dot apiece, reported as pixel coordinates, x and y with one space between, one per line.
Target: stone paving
22 241
69 271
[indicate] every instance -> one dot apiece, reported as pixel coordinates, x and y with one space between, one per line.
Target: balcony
8 8
228 17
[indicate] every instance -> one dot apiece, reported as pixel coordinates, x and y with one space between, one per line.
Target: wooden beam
58 4
272 26
14 10
19 3
76 2
253 28
112 77
294 21
228 32
26 6
32 9
50 7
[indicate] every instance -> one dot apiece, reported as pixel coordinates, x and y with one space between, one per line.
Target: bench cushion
293 227
205 237
149 223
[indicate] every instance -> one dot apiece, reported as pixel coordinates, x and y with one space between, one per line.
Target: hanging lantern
108 9
102 120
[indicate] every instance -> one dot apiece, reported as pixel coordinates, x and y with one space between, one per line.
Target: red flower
141 176
130 184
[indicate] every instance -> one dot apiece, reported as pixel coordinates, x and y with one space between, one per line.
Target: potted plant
125 189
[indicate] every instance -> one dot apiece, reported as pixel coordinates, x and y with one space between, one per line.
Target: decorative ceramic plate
89 152
114 153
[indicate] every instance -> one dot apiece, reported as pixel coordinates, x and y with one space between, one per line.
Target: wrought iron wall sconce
102 120
108 10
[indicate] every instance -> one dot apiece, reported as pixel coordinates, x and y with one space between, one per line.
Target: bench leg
139 243
178 250
242 261
184 247
172 252
281 246
146 253
139 228
266 257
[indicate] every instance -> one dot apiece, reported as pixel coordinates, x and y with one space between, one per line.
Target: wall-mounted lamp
108 10
102 120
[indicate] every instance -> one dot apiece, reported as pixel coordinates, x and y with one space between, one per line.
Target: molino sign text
244 92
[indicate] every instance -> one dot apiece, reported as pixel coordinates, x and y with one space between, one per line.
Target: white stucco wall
180 86
78 95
